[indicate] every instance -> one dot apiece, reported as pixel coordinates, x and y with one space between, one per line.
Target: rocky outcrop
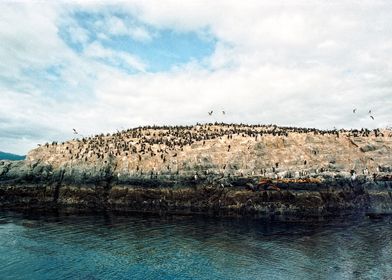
216 169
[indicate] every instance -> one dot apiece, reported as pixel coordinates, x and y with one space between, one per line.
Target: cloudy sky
100 66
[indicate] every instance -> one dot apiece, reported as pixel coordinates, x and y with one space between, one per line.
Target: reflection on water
151 247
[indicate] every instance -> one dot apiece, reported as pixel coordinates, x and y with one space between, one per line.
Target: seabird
74 130
223 112
370 111
210 113
372 118
354 110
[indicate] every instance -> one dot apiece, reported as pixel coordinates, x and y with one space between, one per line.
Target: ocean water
184 247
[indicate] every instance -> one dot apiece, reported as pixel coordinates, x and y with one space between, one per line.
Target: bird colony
227 150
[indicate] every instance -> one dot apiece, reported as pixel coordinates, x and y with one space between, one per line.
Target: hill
9 156
226 149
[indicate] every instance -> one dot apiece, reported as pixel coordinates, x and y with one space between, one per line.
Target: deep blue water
152 247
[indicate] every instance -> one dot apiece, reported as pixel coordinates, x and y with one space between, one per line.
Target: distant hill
9 156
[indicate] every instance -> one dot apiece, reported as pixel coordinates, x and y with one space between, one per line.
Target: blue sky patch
159 49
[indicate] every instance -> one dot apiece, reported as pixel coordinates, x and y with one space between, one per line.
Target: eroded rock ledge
214 169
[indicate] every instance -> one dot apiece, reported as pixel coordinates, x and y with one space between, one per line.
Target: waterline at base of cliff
293 201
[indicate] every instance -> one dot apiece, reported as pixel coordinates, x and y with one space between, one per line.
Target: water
174 247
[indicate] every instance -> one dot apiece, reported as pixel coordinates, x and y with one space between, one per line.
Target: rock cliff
225 169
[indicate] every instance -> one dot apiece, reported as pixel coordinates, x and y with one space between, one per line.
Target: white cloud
303 64
117 58
117 27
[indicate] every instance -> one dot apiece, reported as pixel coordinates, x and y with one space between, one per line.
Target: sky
98 66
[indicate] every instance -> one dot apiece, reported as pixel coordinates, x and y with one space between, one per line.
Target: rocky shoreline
39 188
226 170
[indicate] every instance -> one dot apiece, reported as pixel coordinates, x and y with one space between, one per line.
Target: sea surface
186 247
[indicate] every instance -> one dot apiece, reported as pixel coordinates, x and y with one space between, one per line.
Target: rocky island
218 169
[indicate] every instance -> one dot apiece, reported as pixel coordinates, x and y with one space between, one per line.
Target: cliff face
229 169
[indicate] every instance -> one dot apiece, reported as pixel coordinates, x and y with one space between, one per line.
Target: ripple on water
151 247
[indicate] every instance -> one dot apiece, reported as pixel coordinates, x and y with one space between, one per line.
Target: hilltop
228 150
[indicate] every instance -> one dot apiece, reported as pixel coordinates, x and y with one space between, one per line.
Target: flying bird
372 118
223 112
74 130
210 113
370 111
355 110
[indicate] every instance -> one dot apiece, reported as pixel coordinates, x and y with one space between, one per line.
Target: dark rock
368 148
